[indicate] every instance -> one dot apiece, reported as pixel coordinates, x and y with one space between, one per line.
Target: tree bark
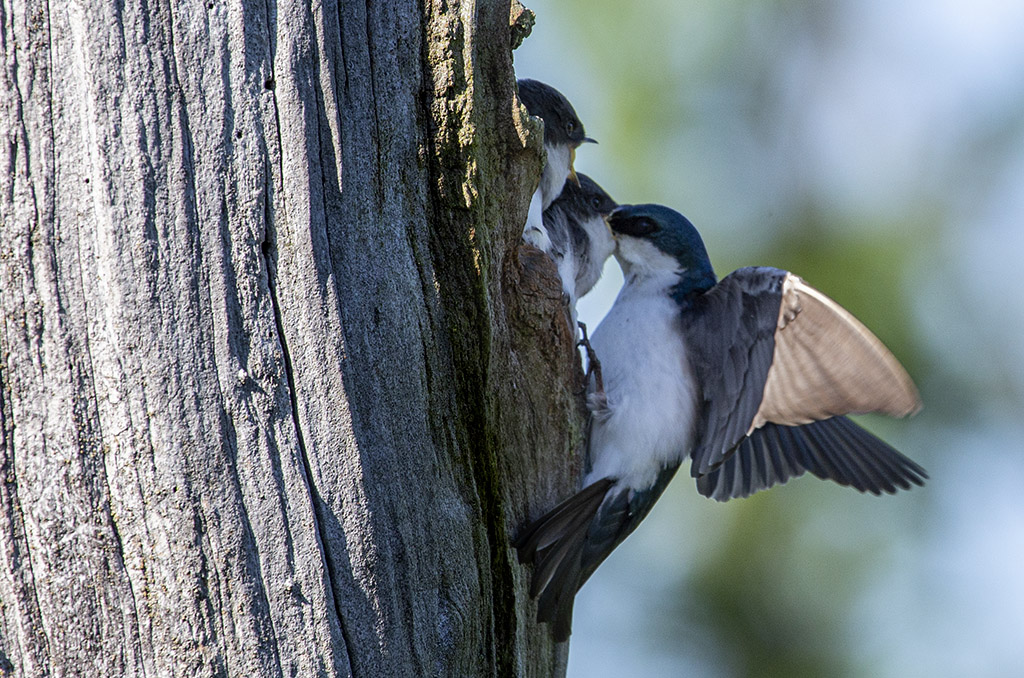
277 382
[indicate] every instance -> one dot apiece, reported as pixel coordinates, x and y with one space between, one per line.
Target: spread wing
821 363
834 449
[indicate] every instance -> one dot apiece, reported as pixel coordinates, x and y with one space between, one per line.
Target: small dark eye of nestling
570 127
596 202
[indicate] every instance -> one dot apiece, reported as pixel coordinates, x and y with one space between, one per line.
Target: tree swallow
749 378
563 133
579 235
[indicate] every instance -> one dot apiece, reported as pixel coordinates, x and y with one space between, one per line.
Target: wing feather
827 363
764 336
833 449
729 333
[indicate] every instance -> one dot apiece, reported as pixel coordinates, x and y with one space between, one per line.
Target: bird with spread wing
750 378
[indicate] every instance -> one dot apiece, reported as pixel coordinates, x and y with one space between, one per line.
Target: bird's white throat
641 259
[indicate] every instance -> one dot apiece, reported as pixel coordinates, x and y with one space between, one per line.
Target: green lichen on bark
520 385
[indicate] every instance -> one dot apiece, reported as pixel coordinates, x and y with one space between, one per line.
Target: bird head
562 127
586 198
655 238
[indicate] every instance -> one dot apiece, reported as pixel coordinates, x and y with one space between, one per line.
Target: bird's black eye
644 226
596 202
570 127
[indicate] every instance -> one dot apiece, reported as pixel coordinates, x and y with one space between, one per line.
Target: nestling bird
563 134
749 378
580 239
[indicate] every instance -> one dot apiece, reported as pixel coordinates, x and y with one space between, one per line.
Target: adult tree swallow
749 378
580 239
563 133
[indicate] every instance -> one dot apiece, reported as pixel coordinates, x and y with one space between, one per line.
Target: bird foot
593 364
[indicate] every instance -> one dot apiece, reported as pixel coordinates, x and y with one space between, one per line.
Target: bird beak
608 223
572 170
588 140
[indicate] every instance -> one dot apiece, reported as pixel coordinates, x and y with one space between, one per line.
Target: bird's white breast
651 394
556 171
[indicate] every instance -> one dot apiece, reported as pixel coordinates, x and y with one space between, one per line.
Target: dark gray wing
834 449
730 338
778 363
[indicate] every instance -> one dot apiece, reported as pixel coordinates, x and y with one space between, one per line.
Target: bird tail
555 544
568 543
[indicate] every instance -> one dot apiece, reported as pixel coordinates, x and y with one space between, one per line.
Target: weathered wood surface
277 383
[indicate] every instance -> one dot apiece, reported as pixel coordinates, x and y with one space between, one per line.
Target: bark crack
10 479
318 503
41 641
119 544
378 175
270 253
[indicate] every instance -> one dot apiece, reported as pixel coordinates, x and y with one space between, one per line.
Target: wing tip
878 381
835 449
905 401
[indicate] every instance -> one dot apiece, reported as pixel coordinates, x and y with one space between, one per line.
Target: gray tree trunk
277 384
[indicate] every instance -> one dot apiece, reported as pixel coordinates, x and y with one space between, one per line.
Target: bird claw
597 404
593 365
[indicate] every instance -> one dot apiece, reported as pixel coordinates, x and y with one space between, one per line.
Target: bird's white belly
651 394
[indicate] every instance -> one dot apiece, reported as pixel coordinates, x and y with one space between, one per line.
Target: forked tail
568 543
